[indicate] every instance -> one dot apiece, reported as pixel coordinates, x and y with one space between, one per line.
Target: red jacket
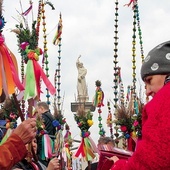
11 152
153 151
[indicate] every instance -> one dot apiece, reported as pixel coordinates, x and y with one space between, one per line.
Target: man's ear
42 108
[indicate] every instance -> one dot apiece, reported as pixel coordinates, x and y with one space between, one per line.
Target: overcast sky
88 30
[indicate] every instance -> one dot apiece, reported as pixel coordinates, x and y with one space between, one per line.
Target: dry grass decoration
129 120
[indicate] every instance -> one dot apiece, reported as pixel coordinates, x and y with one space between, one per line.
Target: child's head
42 107
157 62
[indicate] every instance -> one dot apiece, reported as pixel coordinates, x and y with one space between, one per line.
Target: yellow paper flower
134 134
90 122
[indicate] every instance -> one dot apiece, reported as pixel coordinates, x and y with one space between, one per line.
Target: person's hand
113 158
26 130
54 164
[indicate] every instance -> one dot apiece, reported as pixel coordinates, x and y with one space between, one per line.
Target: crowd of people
15 153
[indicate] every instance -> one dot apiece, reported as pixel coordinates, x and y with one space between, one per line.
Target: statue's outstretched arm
78 59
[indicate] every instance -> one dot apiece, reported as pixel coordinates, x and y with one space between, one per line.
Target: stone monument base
86 105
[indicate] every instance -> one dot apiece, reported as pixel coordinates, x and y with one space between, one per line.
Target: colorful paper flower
123 128
135 123
90 122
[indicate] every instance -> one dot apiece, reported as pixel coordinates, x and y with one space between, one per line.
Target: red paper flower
136 123
123 128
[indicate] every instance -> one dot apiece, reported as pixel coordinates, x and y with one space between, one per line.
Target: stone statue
81 81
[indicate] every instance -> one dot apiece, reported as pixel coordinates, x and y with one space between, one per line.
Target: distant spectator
34 164
42 109
102 141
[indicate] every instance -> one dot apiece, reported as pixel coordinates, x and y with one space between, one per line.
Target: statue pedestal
82 98
86 105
